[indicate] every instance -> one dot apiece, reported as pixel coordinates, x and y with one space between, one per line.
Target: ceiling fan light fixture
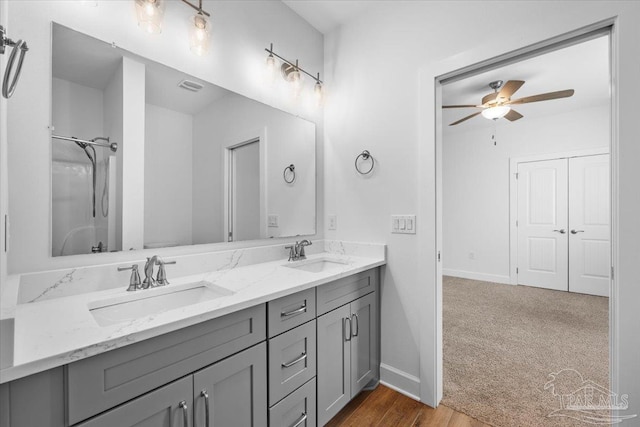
496 112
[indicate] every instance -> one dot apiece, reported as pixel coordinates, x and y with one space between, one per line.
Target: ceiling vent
190 85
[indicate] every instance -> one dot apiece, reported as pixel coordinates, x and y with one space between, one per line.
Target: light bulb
199 34
495 112
150 14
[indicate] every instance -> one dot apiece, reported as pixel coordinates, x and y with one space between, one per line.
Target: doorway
243 191
510 330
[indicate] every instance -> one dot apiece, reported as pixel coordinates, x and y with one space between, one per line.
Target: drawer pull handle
300 420
347 332
356 322
185 414
293 362
297 311
204 394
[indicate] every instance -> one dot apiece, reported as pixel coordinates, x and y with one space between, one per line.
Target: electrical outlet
333 222
272 220
403 224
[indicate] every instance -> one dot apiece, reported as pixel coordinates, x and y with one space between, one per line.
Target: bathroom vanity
288 354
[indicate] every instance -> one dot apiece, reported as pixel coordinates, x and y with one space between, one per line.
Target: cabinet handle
204 394
300 420
185 414
347 332
291 313
297 360
357 323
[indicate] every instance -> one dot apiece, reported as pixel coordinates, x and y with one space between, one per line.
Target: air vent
190 85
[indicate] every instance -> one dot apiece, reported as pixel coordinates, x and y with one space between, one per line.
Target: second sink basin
318 265
147 302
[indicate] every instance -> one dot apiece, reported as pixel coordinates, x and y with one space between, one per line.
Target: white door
244 181
589 213
542 224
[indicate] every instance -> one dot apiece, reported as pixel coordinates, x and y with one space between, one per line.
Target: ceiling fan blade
513 115
542 97
509 89
462 106
466 118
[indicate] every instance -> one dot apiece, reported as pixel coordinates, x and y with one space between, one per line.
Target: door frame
513 196
429 245
235 141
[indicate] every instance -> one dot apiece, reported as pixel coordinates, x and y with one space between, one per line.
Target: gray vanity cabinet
168 406
233 392
349 355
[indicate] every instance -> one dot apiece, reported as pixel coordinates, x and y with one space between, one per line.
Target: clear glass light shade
318 93
150 14
495 112
270 68
199 34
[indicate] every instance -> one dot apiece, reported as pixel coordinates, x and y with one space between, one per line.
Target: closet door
542 224
589 219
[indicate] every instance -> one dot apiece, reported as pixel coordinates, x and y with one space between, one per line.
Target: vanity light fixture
150 14
291 72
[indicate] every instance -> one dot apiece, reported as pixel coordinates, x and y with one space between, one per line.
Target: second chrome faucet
149 281
296 251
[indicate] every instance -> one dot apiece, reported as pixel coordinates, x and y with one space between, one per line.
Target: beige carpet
501 342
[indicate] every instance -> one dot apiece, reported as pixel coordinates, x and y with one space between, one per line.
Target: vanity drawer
296 410
292 360
343 291
288 312
101 382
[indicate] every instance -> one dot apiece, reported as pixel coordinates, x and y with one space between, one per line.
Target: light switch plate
272 220
333 222
403 224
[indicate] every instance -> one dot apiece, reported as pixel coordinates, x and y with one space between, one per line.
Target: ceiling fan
498 104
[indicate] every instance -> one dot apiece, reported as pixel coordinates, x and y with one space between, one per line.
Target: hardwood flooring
384 407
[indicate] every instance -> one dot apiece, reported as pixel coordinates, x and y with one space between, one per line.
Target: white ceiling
583 67
91 62
325 15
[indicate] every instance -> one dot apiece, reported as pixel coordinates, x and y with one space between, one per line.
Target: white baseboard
400 381
495 278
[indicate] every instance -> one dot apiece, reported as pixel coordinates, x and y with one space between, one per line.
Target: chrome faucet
161 278
296 252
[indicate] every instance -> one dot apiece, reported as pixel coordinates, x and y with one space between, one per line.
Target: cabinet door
363 342
334 358
237 391
159 408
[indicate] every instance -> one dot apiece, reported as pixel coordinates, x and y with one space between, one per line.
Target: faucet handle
134 280
292 253
161 278
302 244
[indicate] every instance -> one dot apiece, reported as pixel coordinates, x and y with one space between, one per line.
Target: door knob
577 231
561 231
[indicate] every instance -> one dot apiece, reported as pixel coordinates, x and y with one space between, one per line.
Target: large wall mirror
192 163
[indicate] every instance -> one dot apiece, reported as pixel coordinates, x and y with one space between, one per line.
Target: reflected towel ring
291 168
365 156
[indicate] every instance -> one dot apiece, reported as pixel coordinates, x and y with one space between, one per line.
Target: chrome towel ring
365 155
292 174
21 46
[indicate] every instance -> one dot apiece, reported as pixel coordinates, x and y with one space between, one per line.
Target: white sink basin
319 265
147 302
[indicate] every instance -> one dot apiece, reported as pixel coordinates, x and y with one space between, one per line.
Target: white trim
239 139
513 196
430 187
494 278
400 381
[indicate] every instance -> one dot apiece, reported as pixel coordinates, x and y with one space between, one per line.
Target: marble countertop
58 331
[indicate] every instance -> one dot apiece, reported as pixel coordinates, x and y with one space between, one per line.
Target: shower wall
77 111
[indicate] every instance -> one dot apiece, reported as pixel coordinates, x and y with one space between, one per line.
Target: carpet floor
501 342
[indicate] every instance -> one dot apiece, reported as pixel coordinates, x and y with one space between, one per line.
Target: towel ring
365 156
292 169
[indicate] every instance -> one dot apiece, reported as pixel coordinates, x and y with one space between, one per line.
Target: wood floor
386 407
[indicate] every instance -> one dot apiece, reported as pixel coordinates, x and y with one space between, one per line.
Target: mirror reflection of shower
81 217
